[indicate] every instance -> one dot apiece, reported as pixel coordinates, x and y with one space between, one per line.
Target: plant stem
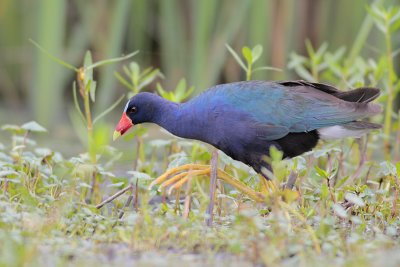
89 123
88 116
248 72
397 146
389 104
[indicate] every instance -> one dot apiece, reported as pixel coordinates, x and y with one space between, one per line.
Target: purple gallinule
244 119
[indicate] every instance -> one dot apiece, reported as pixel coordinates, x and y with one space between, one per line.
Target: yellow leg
176 177
267 186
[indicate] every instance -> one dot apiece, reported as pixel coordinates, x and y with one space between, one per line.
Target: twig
291 180
128 201
136 200
120 192
213 185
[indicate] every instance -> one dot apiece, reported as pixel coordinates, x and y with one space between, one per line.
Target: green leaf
247 55
59 61
236 57
12 128
92 91
256 52
135 71
139 175
119 184
276 154
161 90
188 92
90 85
122 80
321 50
33 126
321 172
86 63
180 89
112 60
353 198
339 211
145 72
324 191
310 49
76 102
149 78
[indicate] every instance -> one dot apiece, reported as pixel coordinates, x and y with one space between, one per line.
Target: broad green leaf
247 55
33 126
88 61
116 184
139 175
353 198
8 173
339 211
387 168
12 128
321 172
256 52
92 91
324 191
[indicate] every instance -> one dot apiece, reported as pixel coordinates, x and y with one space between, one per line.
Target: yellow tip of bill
116 135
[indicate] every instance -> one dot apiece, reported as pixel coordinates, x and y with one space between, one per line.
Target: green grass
346 212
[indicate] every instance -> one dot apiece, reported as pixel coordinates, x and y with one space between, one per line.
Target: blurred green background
184 38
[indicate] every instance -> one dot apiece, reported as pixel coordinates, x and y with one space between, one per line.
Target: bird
245 119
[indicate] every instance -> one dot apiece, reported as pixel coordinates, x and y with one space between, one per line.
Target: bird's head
139 109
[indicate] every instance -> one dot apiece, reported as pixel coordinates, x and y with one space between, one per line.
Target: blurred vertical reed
46 88
182 38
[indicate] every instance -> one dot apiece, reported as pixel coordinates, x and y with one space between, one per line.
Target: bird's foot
176 177
268 186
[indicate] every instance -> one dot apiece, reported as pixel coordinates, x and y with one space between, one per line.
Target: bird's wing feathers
270 132
280 108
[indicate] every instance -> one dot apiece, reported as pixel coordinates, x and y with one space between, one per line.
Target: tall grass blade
48 78
116 35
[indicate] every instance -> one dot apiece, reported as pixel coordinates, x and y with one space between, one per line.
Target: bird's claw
176 177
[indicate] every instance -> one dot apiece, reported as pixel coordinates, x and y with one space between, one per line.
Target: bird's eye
133 110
